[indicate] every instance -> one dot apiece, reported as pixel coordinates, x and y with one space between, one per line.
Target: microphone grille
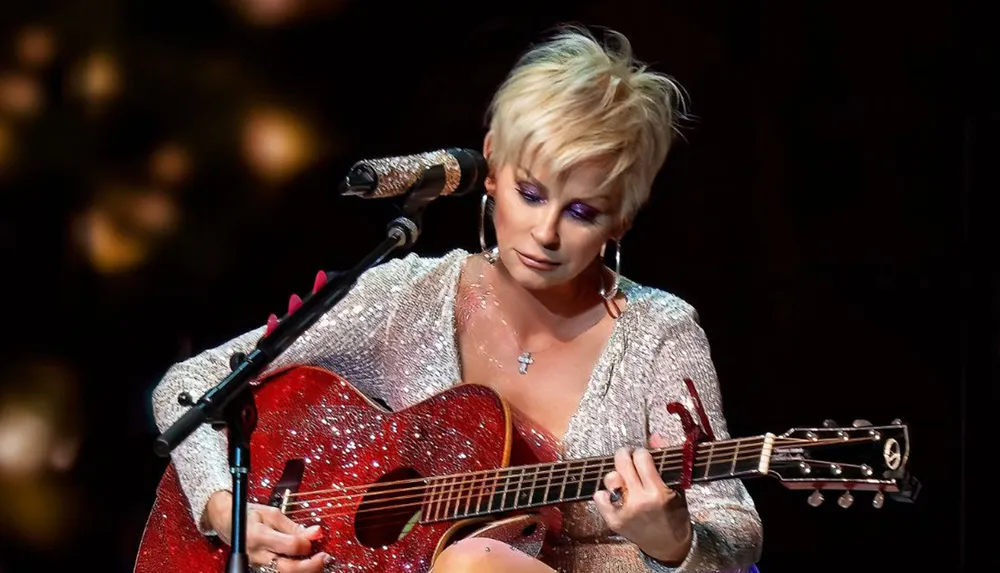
398 174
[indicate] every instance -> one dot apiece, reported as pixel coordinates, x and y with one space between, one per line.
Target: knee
477 554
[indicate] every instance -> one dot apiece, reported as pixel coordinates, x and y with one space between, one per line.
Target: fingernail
327 559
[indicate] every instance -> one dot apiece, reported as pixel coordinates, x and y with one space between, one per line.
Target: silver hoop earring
610 293
490 254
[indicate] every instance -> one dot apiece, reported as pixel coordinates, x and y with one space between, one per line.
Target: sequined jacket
393 336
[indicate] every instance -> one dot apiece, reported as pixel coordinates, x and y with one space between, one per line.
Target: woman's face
549 231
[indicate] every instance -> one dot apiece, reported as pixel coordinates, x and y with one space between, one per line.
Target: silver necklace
526 357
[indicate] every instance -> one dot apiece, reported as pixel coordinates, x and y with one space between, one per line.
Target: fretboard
514 488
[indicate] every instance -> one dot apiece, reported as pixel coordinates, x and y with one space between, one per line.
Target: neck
552 311
505 489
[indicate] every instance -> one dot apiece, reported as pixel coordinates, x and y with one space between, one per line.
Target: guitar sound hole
389 510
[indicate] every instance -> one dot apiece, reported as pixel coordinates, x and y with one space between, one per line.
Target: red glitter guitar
391 490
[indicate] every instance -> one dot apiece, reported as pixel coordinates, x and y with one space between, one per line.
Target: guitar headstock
861 457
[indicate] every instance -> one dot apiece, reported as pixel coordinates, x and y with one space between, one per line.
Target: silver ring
271 567
617 497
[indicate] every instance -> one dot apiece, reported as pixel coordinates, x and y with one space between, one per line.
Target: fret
579 481
736 457
506 488
496 485
547 496
562 489
484 485
601 472
533 488
519 492
708 464
449 488
592 484
468 494
431 501
441 499
663 459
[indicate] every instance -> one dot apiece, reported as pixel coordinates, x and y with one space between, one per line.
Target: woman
577 133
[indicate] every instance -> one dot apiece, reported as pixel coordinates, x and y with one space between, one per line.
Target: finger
615 486
656 441
613 481
279 542
277 520
314 564
602 499
645 467
626 468
259 557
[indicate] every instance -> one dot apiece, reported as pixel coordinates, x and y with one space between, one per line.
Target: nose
546 228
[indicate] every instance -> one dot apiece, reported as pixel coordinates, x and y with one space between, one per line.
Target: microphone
456 171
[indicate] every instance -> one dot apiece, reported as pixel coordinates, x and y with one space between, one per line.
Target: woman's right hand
272 538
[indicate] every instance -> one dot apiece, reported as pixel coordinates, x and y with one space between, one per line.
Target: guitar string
504 474
381 511
591 473
498 474
460 487
490 472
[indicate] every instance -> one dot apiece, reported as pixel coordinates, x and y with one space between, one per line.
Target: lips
536 262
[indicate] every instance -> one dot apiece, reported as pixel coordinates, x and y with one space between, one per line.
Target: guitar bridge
291 479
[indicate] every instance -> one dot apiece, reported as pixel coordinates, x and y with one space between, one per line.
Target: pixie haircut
574 100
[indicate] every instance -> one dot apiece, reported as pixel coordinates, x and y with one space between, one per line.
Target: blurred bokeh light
40 426
123 227
36 46
20 95
279 12
97 79
277 144
6 145
170 164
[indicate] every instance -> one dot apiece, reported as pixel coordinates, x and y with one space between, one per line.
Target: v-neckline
596 374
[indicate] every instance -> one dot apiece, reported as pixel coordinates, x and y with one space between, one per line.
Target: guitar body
322 439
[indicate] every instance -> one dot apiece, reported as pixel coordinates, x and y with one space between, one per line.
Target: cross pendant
525 360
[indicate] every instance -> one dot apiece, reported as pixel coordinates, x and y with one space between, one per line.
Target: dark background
830 214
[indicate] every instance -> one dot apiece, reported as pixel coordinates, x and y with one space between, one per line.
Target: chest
546 386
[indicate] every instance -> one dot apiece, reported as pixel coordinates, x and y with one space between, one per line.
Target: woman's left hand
650 514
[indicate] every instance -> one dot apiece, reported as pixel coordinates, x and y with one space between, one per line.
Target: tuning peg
845 500
879 500
272 323
294 302
860 424
816 499
319 282
897 422
829 423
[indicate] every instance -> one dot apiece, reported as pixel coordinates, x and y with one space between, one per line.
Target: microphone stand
230 404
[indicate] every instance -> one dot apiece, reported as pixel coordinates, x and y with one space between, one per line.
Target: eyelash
535 198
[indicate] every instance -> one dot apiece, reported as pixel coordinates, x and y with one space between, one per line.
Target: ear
623 228
488 145
490 183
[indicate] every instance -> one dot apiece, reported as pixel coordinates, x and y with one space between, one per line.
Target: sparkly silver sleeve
726 527
347 339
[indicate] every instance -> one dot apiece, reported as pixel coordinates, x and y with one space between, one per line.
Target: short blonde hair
574 100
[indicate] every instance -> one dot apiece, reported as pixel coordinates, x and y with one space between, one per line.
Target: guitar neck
515 488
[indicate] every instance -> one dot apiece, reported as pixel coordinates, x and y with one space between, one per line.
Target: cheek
585 245
504 216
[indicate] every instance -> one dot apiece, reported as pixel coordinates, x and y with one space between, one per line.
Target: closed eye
579 211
